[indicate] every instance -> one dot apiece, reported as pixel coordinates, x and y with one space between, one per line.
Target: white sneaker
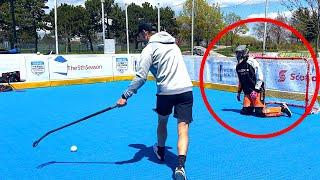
180 174
158 153
285 109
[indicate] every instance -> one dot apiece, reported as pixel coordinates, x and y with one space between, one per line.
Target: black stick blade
35 144
67 125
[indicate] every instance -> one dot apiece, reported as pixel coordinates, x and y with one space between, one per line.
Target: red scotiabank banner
281 75
288 75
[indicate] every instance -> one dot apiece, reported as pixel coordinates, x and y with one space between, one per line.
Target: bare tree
233 34
276 35
314 7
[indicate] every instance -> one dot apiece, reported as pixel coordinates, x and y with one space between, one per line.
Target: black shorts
182 104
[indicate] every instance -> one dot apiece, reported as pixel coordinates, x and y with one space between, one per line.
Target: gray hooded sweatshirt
163 58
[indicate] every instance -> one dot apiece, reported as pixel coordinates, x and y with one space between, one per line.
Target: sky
243 8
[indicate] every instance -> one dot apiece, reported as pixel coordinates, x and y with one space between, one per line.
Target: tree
230 19
168 20
213 22
33 16
6 23
93 8
184 24
310 17
2 15
278 34
113 12
250 40
8 20
73 21
2 23
303 20
107 9
275 35
149 13
118 27
208 21
22 18
135 13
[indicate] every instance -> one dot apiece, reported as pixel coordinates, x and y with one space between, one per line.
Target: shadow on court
143 152
232 110
66 162
147 152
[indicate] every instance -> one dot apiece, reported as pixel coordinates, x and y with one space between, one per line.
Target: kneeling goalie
251 83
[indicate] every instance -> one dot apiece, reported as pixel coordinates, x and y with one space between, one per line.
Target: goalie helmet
242 53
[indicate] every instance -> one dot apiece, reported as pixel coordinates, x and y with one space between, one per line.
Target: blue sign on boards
121 64
37 67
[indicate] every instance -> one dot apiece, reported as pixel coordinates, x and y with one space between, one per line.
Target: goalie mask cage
289 80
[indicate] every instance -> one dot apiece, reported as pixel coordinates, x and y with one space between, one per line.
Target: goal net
289 80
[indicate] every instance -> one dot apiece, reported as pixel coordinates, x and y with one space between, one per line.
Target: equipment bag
5 88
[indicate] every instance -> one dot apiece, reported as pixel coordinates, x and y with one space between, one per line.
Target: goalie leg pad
259 112
246 111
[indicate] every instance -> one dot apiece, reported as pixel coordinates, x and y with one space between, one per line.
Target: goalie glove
238 96
254 94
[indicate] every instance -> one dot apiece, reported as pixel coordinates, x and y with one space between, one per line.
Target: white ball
73 148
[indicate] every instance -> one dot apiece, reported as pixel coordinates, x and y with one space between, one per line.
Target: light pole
318 30
127 29
192 27
56 25
158 17
14 28
265 29
103 26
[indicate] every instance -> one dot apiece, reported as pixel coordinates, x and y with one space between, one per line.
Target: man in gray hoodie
163 58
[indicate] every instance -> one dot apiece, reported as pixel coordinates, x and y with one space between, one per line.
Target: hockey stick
14 89
35 143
